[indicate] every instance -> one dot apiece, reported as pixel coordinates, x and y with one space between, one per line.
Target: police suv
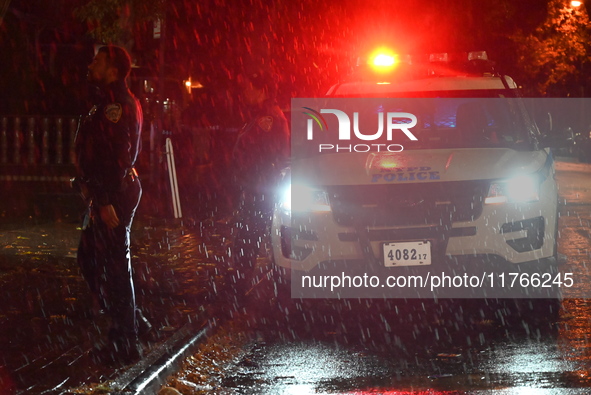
457 169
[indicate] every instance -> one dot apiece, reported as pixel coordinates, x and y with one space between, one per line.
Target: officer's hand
109 216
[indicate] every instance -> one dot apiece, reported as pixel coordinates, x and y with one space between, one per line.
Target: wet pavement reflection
48 330
416 345
283 345
384 346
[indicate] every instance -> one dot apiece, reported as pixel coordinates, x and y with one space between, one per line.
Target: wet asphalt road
49 334
290 346
417 346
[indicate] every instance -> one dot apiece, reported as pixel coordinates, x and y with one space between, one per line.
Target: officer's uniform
261 151
107 146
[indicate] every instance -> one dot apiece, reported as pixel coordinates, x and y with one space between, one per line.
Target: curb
150 374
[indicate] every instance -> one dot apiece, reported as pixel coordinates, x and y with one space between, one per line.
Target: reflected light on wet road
574 332
537 357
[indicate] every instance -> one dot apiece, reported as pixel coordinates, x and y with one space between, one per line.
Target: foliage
311 50
112 21
555 56
310 45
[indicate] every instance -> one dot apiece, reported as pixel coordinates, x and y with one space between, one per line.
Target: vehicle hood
416 166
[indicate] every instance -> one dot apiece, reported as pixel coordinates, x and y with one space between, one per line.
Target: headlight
301 198
520 189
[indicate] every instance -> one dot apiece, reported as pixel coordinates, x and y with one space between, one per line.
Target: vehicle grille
407 204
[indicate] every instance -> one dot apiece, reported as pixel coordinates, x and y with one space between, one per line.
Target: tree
114 21
43 57
555 56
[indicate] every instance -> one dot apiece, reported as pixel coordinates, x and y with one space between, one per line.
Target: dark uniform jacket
108 142
262 148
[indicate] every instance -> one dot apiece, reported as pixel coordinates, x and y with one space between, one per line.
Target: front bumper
517 233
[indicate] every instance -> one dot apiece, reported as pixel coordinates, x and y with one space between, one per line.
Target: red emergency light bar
386 58
384 62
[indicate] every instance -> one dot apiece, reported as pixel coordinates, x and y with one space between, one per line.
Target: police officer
262 147
261 151
107 146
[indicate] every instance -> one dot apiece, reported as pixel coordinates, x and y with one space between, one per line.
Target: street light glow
576 3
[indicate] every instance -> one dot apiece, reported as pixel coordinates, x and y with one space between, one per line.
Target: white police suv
413 163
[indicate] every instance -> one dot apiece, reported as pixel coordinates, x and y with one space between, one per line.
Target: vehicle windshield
442 123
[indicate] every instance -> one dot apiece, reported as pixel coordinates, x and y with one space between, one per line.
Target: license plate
408 253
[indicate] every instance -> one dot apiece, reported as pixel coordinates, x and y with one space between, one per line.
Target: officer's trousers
105 260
